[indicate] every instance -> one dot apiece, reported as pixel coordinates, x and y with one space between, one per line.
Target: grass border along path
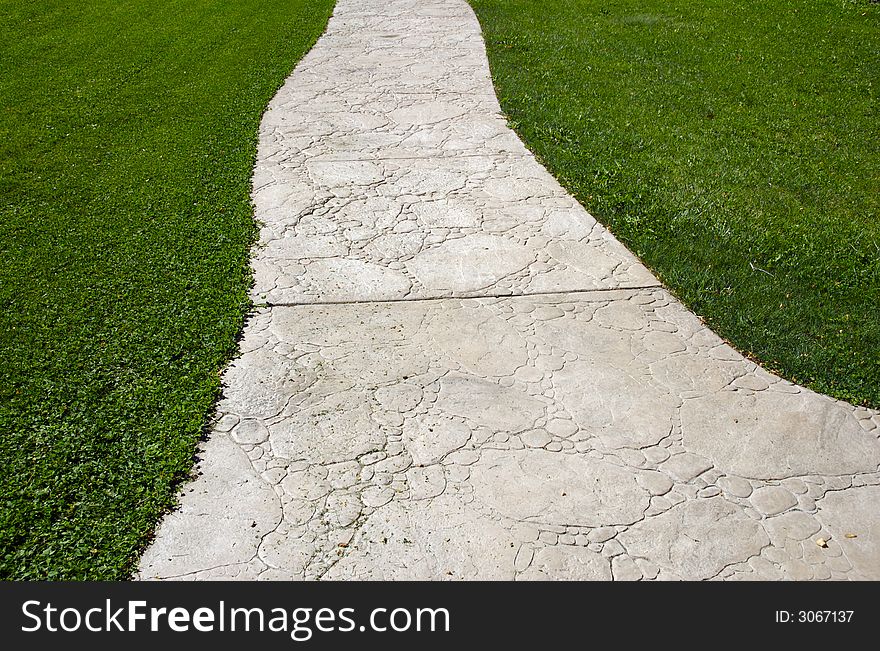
128 135
733 146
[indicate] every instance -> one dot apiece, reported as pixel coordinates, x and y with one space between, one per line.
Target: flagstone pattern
457 373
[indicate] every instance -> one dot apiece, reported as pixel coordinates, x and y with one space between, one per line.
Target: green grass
127 137
734 146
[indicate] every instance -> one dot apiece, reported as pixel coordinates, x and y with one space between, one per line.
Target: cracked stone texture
386 171
397 451
547 412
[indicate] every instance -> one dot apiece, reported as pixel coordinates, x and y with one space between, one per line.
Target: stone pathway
459 374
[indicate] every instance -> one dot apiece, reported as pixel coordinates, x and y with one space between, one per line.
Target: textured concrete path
459 374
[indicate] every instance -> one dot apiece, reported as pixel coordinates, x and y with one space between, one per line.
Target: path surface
461 375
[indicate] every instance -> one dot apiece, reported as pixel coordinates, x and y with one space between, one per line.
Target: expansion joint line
422 299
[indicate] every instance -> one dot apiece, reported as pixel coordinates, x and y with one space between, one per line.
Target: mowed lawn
734 146
127 137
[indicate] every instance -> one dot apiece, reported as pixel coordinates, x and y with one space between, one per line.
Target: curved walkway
459 374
